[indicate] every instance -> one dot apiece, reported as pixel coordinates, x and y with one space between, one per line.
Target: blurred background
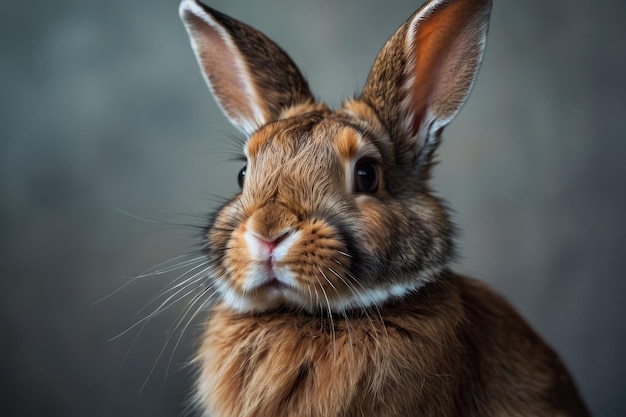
112 150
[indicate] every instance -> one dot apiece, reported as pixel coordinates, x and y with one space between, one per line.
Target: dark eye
242 176
366 177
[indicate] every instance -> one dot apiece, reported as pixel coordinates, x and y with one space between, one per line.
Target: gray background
103 109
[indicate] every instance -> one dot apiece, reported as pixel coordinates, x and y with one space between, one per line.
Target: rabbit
332 265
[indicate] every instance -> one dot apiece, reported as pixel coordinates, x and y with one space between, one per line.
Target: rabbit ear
251 77
425 72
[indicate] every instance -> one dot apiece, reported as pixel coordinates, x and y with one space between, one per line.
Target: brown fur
453 349
337 301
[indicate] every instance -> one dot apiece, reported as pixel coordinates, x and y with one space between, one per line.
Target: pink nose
271 243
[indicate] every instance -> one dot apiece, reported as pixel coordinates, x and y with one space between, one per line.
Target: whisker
176 225
169 337
162 307
173 285
377 310
318 301
151 272
365 308
330 315
193 316
172 268
135 216
145 321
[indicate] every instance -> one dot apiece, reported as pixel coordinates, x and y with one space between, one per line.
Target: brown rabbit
332 264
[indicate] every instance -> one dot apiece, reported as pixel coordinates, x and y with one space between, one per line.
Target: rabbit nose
270 250
270 244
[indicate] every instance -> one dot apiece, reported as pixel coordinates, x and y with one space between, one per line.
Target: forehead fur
284 133
341 128
347 143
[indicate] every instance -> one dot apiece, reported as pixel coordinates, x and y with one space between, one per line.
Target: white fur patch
283 248
363 299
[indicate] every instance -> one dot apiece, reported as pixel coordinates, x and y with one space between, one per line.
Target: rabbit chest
396 361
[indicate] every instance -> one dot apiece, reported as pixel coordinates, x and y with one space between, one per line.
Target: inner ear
221 60
252 78
447 45
424 73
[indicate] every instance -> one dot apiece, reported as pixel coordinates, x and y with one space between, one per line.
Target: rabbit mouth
267 286
273 286
282 289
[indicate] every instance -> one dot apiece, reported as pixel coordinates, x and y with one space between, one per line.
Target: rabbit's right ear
425 72
251 77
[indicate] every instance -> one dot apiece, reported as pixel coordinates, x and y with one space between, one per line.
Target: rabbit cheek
377 226
321 264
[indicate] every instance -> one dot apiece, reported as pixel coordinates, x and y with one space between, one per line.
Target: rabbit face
317 227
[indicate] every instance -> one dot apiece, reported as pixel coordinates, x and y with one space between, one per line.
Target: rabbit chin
277 295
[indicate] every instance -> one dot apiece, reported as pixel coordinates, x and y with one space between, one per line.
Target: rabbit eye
366 177
242 176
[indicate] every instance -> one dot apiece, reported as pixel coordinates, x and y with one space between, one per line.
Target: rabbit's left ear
425 72
251 77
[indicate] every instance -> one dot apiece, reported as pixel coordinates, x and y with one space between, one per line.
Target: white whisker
198 276
330 314
182 331
151 272
162 307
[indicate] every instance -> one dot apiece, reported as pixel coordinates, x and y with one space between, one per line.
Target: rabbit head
335 212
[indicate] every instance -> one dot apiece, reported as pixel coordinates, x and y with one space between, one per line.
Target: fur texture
454 348
332 263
